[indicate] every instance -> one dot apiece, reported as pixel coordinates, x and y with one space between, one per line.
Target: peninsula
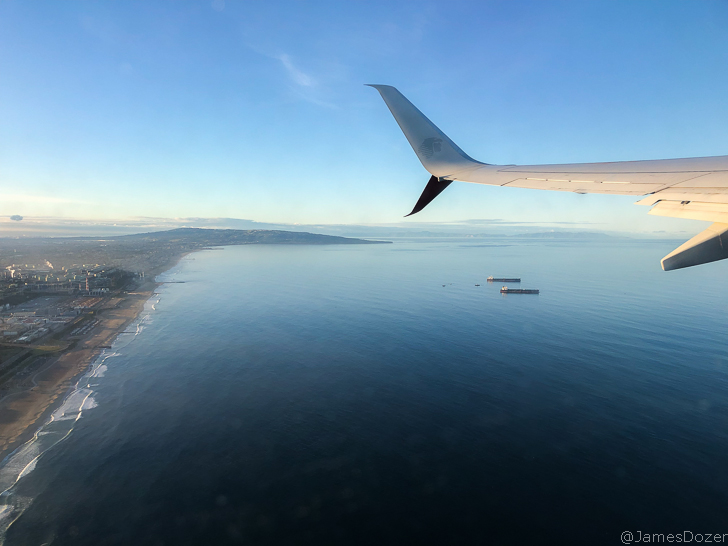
64 300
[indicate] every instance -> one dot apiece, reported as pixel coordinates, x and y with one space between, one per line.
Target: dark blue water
342 395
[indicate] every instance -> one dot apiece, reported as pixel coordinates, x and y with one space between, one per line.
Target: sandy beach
29 398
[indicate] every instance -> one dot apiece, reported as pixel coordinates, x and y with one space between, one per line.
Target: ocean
375 395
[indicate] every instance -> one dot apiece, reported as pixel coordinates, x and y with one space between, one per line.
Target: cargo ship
501 279
506 290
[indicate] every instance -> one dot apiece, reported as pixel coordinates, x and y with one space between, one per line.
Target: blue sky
257 110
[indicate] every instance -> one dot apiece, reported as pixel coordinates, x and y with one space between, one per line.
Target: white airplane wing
694 188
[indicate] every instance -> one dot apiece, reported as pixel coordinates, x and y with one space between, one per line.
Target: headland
64 300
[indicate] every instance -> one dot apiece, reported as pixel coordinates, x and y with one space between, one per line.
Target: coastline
33 393
32 400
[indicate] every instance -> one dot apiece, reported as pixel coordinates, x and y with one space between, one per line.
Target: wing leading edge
694 188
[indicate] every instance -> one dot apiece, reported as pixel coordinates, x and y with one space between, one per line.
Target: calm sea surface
343 395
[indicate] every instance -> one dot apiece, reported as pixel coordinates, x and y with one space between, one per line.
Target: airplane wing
694 188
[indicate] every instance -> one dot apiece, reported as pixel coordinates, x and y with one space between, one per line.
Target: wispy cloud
303 85
298 77
306 87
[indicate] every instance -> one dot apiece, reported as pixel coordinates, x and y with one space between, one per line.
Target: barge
506 290
501 279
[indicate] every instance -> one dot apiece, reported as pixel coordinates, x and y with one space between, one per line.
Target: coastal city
47 284
41 305
52 325
64 300
48 312
37 299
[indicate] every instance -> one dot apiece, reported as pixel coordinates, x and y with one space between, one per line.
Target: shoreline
30 402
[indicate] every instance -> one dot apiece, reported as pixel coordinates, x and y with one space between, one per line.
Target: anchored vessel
501 279
506 290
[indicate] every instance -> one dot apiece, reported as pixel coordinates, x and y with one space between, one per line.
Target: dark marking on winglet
433 189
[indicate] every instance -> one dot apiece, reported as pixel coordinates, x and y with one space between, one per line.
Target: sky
258 110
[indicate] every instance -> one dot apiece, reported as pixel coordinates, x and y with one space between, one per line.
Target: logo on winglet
430 146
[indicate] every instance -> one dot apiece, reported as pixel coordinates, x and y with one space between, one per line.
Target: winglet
433 189
437 153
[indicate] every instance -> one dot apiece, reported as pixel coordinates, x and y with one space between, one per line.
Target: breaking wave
21 462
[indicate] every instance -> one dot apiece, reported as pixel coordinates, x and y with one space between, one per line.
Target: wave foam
23 460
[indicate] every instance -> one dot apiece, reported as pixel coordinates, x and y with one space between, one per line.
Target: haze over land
68 227
143 252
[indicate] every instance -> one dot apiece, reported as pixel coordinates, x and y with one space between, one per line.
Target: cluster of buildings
26 326
34 319
87 279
